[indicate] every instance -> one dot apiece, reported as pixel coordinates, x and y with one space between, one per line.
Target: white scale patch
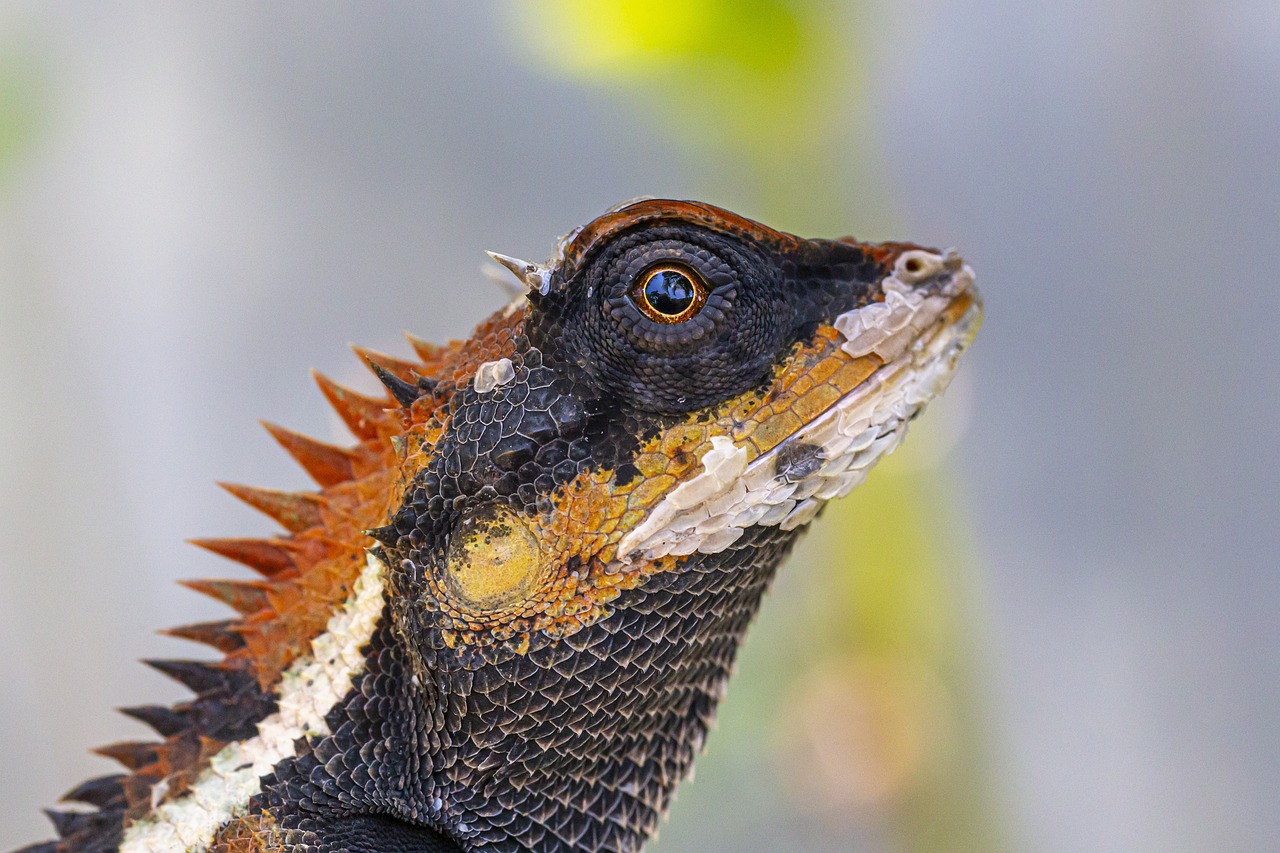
308 690
709 512
494 374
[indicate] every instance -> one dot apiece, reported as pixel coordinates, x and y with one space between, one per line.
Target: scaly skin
505 619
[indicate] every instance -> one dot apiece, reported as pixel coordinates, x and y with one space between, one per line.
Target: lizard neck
583 738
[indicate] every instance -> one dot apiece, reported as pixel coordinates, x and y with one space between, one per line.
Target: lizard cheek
494 561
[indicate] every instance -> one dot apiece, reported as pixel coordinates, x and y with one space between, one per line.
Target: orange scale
802 385
579 512
345 510
853 373
681 438
777 429
373 475
651 464
330 583
307 550
631 518
815 402
825 369
742 407
284 597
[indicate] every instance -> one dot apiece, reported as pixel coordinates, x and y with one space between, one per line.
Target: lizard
504 619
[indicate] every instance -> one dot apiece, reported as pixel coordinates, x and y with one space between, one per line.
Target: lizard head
598 486
677 383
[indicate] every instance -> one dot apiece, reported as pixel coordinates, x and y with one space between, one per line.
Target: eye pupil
669 292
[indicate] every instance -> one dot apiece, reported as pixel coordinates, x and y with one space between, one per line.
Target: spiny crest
327 464
201 677
164 721
103 792
431 354
222 635
134 755
405 381
361 414
305 574
244 597
405 393
268 557
406 371
294 511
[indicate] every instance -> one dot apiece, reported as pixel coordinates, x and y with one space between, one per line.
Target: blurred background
1050 623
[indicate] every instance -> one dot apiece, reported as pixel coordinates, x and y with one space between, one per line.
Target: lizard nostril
915 266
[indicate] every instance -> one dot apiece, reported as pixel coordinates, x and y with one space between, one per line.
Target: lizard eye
669 293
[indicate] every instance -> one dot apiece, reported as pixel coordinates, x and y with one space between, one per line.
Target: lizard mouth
906 348
835 451
918 333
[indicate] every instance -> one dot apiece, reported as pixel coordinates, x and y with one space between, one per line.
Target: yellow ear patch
494 561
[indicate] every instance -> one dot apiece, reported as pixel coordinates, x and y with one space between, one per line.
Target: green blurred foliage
756 57
858 703
19 91
772 84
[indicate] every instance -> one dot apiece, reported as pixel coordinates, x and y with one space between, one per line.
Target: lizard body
504 620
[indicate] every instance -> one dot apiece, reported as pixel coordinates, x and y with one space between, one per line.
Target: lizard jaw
930 315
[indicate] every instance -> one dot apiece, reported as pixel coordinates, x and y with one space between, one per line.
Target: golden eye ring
669 293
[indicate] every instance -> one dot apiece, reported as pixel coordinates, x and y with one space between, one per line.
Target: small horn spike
200 676
361 414
244 597
426 350
265 556
386 535
327 464
534 276
103 792
221 635
295 511
405 393
134 755
165 721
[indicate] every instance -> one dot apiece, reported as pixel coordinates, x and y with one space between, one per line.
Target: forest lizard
504 620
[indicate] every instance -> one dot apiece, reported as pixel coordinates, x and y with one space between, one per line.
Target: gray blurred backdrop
199 202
